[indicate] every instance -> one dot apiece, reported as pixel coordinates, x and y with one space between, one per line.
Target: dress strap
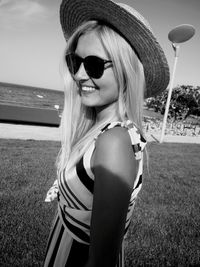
137 140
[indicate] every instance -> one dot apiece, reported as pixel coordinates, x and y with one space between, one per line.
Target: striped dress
69 240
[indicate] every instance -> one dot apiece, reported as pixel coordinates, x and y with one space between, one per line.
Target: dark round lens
73 63
94 66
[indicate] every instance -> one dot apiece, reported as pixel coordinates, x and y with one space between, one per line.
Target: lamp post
179 34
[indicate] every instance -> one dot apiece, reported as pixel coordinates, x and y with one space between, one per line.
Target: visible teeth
88 89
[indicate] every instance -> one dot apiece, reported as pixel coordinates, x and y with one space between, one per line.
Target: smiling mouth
87 89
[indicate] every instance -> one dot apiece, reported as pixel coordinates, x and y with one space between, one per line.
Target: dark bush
185 101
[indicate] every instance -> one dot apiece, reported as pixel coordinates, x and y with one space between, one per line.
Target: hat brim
73 13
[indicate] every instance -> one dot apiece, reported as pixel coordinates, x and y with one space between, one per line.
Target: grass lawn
165 230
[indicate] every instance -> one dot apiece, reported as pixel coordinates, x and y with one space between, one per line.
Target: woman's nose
81 73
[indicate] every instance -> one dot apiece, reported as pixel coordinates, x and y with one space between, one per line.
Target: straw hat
131 25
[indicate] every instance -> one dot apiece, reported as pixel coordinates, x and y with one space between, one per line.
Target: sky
32 43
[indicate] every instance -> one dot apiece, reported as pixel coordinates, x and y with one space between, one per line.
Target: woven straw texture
133 27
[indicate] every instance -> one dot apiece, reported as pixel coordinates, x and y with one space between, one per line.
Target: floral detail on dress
52 192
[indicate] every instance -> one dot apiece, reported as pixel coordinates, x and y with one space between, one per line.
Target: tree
185 101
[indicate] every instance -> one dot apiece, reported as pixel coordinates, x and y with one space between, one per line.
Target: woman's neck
105 112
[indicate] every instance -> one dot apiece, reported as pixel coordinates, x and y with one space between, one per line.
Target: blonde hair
78 123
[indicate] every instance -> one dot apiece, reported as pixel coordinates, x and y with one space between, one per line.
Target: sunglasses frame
90 70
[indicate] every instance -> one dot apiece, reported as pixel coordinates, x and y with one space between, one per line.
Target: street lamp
179 34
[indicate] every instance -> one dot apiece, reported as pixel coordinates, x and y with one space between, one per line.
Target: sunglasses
94 66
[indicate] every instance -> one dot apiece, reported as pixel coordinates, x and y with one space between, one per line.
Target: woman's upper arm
115 170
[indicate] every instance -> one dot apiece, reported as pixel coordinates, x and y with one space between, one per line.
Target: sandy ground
17 131
27 132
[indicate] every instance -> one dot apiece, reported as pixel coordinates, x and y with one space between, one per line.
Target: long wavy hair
79 126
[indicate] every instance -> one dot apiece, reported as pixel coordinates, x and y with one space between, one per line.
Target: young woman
112 61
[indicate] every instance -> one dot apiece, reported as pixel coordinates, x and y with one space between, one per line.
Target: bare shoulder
114 154
117 137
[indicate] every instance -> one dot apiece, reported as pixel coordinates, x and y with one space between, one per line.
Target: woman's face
99 93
